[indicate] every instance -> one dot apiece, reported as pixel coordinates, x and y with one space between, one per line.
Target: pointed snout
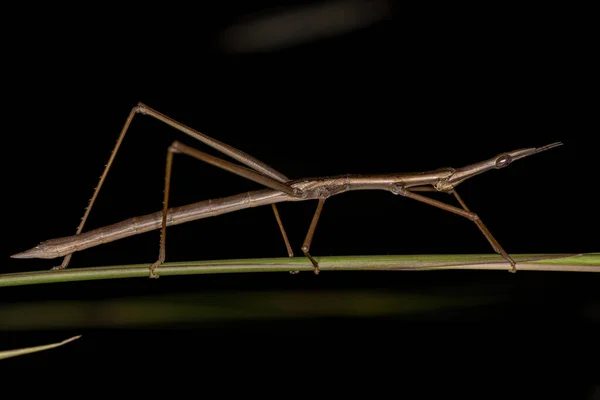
518 154
500 161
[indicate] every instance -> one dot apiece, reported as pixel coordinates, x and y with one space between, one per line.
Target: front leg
465 212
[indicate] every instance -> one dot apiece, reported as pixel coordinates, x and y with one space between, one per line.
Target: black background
419 90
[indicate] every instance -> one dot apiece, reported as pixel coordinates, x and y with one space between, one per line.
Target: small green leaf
28 350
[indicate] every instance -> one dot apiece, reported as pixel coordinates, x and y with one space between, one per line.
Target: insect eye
503 161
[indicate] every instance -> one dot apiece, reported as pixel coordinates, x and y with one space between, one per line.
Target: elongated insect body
280 189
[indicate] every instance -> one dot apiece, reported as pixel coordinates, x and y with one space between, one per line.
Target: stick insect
279 189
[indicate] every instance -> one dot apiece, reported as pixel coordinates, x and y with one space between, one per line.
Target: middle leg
311 232
178 147
282 229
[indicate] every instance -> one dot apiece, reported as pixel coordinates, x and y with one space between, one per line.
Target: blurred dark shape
293 26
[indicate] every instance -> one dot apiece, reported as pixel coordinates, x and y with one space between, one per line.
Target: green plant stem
525 262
